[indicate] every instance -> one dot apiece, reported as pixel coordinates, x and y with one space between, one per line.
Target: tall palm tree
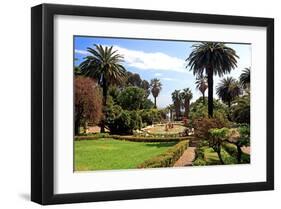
177 102
104 65
213 58
155 86
202 85
186 96
228 89
245 78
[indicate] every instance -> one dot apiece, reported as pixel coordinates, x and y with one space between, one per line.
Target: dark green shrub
150 116
240 111
149 139
168 158
131 98
200 110
121 121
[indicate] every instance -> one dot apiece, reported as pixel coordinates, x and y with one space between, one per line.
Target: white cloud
152 60
158 74
148 60
168 79
82 52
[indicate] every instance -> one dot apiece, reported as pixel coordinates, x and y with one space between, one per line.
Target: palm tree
213 58
156 87
245 78
186 96
177 102
228 89
202 85
104 65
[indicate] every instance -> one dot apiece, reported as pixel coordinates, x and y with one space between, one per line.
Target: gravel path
246 150
187 157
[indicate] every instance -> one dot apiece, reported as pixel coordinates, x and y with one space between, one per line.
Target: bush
150 116
120 121
240 111
203 125
200 110
131 98
232 150
132 138
149 139
168 158
199 162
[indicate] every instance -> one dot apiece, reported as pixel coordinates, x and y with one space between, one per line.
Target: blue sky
160 59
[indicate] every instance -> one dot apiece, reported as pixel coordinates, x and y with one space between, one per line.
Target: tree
216 138
104 65
201 85
177 102
199 110
147 104
186 96
145 85
88 102
213 58
134 79
240 110
228 89
155 86
245 78
77 71
131 98
239 137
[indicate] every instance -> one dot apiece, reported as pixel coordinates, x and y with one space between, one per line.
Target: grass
105 154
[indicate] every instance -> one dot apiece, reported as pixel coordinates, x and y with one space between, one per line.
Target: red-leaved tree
88 102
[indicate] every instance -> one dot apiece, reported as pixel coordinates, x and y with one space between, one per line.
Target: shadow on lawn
161 144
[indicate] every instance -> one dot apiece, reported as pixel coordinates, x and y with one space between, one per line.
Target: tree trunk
76 127
188 105
155 102
104 92
210 91
219 154
186 109
203 97
239 154
177 111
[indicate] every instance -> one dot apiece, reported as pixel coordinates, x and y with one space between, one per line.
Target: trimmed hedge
231 149
134 138
168 158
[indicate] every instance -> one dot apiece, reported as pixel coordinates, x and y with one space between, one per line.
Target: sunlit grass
105 154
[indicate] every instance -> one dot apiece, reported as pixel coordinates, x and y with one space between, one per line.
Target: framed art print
130 104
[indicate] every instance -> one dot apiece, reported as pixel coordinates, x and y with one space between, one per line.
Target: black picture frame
42 103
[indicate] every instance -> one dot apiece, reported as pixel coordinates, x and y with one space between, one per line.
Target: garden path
187 157
246 150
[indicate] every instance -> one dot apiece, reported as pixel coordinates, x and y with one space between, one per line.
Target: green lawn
104 154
